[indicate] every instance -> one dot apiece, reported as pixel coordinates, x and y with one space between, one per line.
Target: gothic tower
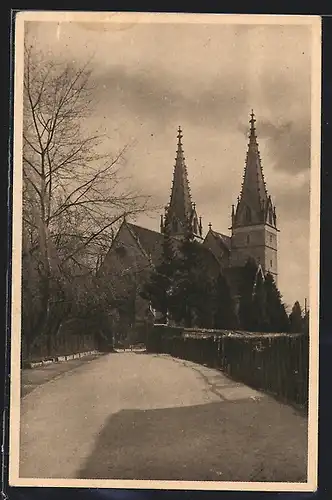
180 217
254 221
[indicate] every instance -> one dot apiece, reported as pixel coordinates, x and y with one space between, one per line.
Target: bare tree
74 193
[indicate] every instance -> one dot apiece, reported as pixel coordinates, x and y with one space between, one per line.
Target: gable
125 255
150 241
219 245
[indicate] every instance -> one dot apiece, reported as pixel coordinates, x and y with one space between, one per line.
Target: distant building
253 231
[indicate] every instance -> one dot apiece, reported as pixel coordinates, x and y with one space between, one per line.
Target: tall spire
181 212
254 205
180 203
253 187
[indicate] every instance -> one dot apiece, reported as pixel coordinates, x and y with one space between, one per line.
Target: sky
151 77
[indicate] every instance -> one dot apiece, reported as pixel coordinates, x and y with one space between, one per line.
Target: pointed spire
180 203
181 211
254 198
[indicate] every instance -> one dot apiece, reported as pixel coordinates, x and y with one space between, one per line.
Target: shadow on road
226 441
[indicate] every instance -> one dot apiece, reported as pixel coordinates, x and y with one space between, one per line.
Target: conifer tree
305 324
295 318
191 296
157 290
246 313
275 309
223 304
260 319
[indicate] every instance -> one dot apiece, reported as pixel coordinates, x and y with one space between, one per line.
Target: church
253 231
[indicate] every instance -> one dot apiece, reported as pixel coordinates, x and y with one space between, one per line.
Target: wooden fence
274 363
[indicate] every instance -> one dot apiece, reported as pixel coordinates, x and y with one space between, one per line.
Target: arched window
270 217
248 239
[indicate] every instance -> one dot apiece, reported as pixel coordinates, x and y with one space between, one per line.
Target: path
143 416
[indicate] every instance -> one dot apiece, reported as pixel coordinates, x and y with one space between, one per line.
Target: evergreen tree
246 312
305 324
259 319
275 309
191 289
157 289
223 307
295 318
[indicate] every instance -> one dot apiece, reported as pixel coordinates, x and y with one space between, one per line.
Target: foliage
158 288
295 318
260 319
246 314
261 308
74 193
189 284
223 305
182 287
306 323
278 319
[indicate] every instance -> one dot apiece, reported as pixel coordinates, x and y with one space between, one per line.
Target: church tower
254 221
180 217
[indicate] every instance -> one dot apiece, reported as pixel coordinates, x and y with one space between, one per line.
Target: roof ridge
220 234
144 228
136 238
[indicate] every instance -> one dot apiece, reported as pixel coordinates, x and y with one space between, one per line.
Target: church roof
149 240
180 214
180 204
254 202
222 239
253 188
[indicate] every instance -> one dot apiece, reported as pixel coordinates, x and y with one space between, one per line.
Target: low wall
274 363
61 345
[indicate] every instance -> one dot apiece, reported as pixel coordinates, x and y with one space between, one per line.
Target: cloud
150 78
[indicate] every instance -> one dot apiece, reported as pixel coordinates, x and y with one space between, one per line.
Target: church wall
126 268
258 242
271 251
124 254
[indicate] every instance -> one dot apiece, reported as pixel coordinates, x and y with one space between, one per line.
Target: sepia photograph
166 214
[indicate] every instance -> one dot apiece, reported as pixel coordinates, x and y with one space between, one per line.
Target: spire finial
210 225
179 136
252 122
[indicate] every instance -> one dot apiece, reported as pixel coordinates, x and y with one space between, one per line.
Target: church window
248 238
270 217
271 238
271 263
